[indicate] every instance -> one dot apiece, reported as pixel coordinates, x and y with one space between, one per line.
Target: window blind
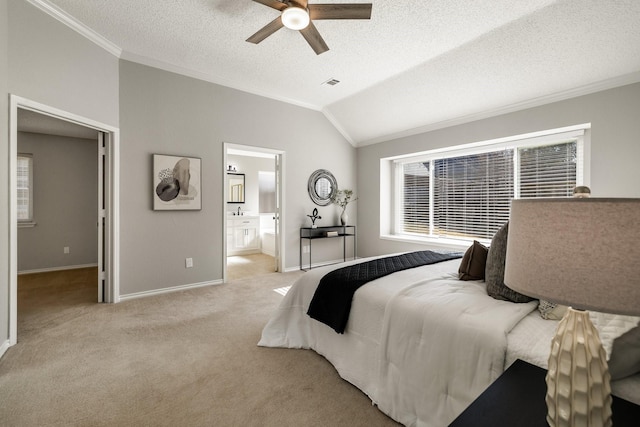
415 195
472 194
548 171
468 195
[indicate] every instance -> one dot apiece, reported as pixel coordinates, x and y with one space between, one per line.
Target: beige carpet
182 359
244 266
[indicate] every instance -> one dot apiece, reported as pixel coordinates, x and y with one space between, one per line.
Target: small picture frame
176 183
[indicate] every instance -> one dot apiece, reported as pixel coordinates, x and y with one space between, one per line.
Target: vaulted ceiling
415 65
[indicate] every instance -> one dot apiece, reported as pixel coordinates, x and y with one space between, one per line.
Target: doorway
252 211
107 140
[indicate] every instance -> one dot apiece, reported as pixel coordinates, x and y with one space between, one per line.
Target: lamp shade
582 252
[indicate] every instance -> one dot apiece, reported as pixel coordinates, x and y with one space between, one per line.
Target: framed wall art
176 183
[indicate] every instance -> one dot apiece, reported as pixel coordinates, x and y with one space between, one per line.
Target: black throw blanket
331 302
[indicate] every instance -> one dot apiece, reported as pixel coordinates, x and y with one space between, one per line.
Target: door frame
280 189
111 197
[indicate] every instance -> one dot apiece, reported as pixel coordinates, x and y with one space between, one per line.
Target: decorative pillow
625 355
620 337
494 273
473 262
551 311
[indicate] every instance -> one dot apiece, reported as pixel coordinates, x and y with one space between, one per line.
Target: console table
344 231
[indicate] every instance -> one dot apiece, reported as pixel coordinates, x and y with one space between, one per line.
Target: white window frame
28 222
391 169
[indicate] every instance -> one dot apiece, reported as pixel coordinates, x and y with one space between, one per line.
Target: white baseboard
64 267
244 252
168 290
4 347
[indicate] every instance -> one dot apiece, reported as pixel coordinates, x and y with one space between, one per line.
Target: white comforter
443 342
420 343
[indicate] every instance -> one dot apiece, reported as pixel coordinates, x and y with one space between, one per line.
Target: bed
421 343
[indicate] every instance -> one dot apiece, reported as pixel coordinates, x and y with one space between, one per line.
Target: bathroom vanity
243 235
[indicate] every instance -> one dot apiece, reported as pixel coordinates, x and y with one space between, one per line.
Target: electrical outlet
66 249
188 262
305 249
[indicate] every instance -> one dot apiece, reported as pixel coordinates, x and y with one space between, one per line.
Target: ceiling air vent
331 82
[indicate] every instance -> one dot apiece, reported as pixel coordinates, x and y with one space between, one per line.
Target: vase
344 217
578 390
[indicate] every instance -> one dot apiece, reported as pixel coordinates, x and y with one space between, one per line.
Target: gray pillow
494 273
625 355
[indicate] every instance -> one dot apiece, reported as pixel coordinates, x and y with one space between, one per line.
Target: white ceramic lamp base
578 379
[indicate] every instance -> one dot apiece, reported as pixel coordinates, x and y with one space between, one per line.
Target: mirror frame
313 179
243 187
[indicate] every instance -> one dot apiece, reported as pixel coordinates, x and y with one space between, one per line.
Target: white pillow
611 326
620 336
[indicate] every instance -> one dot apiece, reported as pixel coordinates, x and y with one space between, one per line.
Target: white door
276 217
101 216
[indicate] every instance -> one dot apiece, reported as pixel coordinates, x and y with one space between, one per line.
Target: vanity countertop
242 215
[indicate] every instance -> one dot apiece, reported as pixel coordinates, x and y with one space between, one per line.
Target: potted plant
342 198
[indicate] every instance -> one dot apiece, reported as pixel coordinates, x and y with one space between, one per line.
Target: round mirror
322 186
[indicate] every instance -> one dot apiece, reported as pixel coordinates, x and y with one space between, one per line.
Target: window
472 194
25 188
466 193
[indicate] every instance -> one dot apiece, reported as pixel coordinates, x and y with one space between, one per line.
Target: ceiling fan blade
275 4
266 31
315 40
302 3
340 11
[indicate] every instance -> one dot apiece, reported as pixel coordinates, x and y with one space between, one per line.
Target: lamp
581 252
295 18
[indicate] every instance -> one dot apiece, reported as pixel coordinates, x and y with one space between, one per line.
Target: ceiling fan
298 15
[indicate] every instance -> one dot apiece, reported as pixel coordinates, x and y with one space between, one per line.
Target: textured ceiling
415 65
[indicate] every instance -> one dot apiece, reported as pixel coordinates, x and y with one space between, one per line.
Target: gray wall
165 113
4 177
65 202
52 64
615 150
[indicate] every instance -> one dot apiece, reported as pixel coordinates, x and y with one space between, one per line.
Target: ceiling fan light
295 18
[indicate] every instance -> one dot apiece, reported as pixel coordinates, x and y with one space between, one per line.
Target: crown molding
82 29
611 83
338 126
77 26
